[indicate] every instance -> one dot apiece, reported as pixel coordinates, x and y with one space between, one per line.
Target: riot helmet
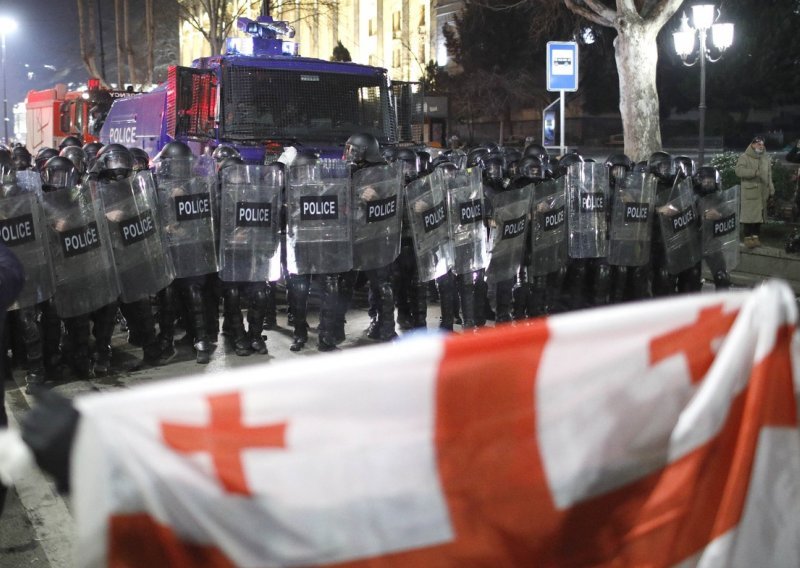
59 173
230 162
707 180
70 141
512 158
174 160
424 161
641 167
684 165
661 165
113 162
568 160
224 151
6 166
492 169
303 166
91 149
446 167
540 152
141 161
619 165
362 148
475 155
43 155
22 158
389 153
531 167
409 161
77 156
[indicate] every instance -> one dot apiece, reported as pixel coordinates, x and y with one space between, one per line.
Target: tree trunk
87 43
118 30
637 55
149 34
132 78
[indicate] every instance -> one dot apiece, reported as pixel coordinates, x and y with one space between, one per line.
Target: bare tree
86 31
221 15
149 28
637 23
118 36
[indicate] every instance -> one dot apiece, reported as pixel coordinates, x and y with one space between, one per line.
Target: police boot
298 288
419 304
402 288
328 315
503 300
483 310
619 283
386 316
167 302
519 297
722 280
146 329
255 318
575 284
466 291
601 280
537 297
51 340
446 293
690 280
76 345
554 301
104 321
270 307
233 324
212 290
201 345
35 376
343 287
375 308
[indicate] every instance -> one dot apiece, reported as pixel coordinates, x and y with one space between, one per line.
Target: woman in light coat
754 169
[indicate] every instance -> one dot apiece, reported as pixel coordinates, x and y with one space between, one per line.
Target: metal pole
561 112
702 107
100 37
5 99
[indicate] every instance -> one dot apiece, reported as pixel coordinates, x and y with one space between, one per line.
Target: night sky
45 48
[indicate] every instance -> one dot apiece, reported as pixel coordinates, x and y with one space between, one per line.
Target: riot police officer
91 149
187 215
374 255
719 214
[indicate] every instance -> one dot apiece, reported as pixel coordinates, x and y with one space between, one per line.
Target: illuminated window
397 25
373 27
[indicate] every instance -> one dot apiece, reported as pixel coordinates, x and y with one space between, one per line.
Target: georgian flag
662 433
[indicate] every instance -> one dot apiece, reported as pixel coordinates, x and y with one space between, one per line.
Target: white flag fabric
661 433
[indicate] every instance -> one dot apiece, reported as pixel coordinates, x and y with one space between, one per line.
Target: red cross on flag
661 433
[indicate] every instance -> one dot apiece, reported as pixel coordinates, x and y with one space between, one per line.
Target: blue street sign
562 66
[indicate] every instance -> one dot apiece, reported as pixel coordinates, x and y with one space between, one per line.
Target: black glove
49 430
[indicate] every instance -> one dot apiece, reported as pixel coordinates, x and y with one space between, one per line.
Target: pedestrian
754 169
11 280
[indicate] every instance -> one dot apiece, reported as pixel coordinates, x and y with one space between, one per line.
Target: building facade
399 35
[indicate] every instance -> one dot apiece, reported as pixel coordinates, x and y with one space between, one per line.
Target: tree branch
581 8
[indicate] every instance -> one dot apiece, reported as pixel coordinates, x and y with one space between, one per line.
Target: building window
373 27
423 21
395 58
397 25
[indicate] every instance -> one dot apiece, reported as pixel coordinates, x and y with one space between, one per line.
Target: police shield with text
719 211
588 277
318 237
632 197
249 246
23 231
80 248
186 214
464 191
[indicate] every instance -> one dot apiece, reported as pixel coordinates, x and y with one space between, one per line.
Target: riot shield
631 220
720 216
376 222
187 217
464 192
80 250
548 227
427 212
131 211
318 218
680 229
30 181
508 227
587 191
249 223
23 231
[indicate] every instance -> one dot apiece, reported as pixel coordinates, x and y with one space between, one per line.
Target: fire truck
259 96
53 114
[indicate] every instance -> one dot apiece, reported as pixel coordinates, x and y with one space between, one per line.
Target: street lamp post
703 16
7 26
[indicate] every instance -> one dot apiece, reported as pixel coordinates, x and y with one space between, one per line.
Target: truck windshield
259 104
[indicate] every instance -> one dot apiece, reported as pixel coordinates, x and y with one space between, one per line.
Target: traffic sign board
562 66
